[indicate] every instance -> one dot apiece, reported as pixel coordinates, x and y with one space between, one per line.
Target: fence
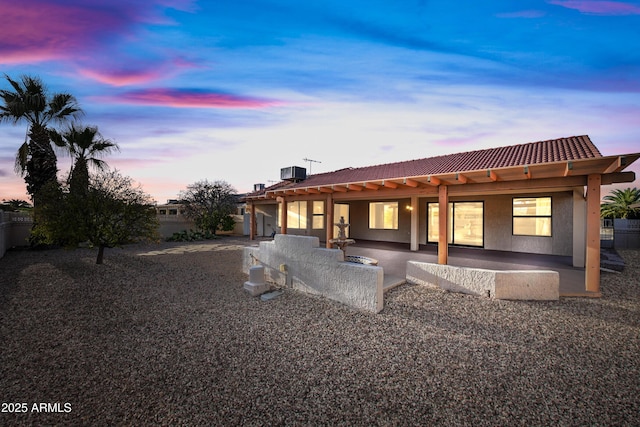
626 233
14 230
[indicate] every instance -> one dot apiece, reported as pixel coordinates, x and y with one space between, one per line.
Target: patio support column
283 215
252 221
329 221
579 227
443 207
414 223
592 267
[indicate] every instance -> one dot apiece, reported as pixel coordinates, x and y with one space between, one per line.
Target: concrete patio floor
393 257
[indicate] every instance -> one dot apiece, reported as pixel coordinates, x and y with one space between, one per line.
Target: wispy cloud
36 31
190 98
122 77
135 72
611 8
529 14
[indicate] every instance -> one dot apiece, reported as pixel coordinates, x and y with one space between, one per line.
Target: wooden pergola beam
371 186
410 182
432 180
568 168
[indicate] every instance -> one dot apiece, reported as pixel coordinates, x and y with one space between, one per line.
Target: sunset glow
234 91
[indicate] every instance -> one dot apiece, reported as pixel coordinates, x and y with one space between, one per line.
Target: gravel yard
165 335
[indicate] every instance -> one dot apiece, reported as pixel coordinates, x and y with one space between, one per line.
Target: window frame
396 225
534 217
451 227
315 216
302 220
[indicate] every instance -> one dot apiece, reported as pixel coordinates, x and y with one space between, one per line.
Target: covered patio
393 257
521 207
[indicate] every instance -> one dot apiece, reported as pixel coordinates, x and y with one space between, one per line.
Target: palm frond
62 107
21 159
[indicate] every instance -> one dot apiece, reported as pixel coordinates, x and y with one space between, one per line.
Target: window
465 223
532 216
297 215
383 215
318 215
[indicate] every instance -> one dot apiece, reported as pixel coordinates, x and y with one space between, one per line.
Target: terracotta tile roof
555 150
572 148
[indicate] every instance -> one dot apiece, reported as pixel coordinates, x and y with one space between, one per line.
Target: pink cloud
135 73
189 98
121 78
599 7
37 30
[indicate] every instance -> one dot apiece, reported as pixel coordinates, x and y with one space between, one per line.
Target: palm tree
618 203
31 103
86 145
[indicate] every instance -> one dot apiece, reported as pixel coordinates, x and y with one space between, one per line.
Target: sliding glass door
465 223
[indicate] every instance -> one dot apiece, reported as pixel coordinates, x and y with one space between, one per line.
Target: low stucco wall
15 228
299 262
515 285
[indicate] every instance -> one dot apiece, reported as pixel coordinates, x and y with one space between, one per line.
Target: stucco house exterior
541 197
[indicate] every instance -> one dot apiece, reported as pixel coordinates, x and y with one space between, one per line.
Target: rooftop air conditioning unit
293 174
258 187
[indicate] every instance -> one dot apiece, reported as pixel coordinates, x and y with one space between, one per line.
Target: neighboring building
173 220
522 198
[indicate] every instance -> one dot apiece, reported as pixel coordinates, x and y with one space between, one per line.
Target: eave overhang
552 173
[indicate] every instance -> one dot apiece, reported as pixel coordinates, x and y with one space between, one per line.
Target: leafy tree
618 204
30 102
209 204
112 212
86 145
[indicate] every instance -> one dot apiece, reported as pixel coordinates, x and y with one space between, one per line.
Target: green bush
191 236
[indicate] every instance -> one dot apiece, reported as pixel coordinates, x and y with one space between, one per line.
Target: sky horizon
235 91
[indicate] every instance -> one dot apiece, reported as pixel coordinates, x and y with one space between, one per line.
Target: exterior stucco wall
497 224
266 218
498 219
359 229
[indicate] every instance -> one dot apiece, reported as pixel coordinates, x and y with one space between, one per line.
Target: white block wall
319 271
513 285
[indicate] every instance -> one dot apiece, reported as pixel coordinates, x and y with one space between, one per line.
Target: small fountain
342 242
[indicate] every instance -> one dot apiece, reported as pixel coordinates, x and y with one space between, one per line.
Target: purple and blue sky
235 90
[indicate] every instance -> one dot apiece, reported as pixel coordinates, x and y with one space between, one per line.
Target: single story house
541 197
